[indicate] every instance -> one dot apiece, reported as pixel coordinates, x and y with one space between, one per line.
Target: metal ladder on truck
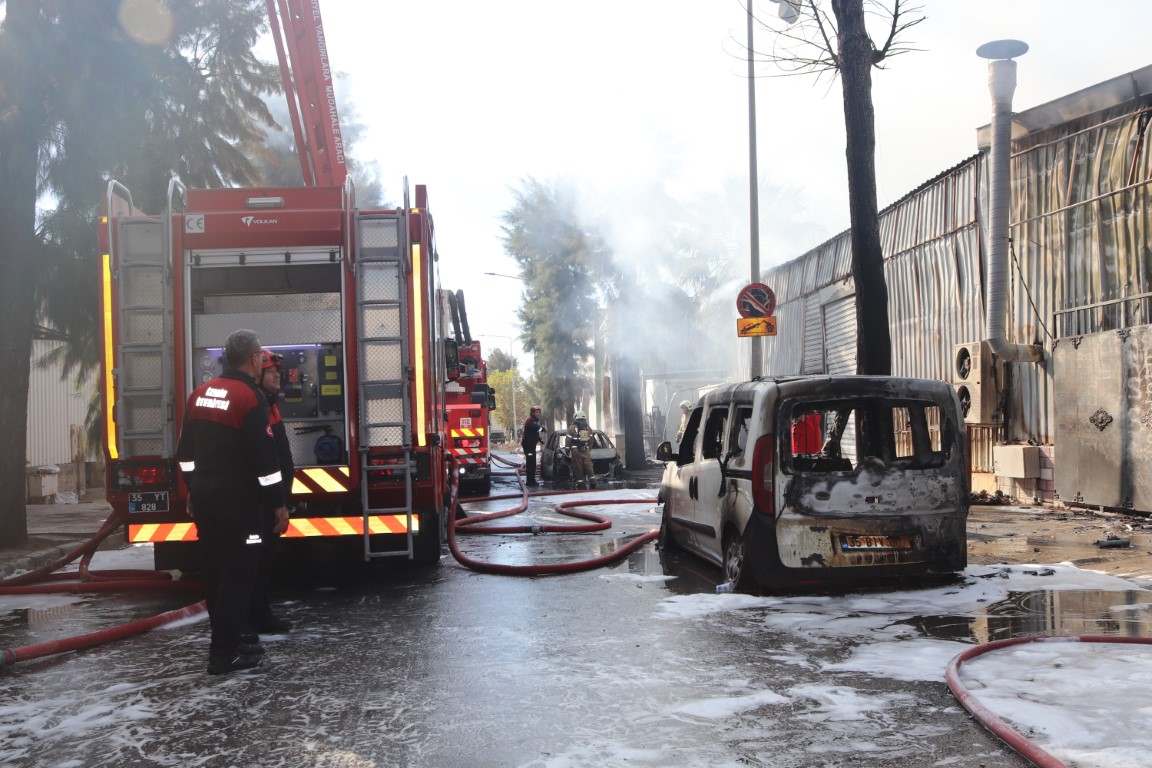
384 356
144 357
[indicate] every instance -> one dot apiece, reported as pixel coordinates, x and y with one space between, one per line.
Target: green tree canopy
499 360
88 93
560 261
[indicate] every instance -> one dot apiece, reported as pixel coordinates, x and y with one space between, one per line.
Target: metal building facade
1080 259
56 411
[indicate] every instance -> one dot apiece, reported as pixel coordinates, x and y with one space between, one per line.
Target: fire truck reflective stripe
188 466
271 479
477 432
304 483
297 528
421 423
109 361
325 480
153 532
303 527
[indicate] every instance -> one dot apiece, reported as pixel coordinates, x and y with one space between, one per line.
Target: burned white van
797 482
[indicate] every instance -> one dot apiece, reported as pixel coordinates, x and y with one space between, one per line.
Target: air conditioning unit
975 377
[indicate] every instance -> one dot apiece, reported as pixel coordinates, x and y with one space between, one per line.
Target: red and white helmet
271 359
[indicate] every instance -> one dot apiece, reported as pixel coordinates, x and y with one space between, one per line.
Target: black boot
221 663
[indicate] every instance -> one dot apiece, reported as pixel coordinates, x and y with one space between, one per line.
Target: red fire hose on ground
998 727
471 524
45 580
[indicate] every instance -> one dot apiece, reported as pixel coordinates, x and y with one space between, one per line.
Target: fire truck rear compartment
295 309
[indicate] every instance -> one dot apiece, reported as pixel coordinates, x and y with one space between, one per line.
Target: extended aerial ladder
302 50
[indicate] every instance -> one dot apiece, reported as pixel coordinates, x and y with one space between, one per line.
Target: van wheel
667 540
735 562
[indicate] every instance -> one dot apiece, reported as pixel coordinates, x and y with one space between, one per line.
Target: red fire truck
470 401
348 297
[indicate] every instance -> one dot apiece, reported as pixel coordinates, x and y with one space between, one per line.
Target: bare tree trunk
856 56
20 123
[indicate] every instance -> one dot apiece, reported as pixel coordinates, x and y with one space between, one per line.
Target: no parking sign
756 303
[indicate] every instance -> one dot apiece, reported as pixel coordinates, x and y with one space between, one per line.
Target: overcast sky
625 98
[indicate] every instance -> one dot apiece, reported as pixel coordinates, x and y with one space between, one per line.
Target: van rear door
871 453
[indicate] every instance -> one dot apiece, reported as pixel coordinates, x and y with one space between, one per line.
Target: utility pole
756 358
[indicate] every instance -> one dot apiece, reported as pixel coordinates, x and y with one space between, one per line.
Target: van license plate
859 541
148 501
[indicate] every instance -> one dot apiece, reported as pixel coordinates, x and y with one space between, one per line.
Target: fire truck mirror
451 359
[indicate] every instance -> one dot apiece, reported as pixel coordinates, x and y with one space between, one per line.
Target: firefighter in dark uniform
580 441
229 460
533 433
261 619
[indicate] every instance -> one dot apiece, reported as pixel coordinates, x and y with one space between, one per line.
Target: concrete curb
34 560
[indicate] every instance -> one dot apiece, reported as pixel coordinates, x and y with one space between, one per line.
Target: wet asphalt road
443 666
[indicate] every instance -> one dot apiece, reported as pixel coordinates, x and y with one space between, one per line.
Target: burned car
794 482
556 459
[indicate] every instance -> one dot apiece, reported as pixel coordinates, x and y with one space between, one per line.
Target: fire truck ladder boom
384 361
143 373
302 52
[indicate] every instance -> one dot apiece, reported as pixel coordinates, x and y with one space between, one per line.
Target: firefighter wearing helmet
580 443
261 620
685 412
533 433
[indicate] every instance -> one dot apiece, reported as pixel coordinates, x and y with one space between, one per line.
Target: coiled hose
471 523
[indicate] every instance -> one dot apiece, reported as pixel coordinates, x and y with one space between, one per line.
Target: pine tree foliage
91 91
561 263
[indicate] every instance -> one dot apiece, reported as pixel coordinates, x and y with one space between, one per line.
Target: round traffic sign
756 300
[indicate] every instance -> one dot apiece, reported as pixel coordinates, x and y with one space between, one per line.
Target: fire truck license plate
858 541
148 501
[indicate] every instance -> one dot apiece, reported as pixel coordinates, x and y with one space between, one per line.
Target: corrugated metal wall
1081 258
54 407
931 242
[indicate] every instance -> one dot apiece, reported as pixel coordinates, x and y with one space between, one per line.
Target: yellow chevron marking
145 532
324 480
305 527
341 525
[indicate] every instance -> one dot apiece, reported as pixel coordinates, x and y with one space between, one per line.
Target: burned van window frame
685 452
741 423
715 430
904 433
